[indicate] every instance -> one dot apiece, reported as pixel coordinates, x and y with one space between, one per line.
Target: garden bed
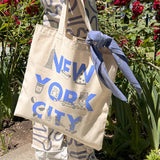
16 133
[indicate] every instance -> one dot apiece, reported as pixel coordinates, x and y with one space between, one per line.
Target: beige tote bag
61 88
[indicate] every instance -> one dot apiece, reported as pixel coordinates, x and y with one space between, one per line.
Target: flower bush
17 22
133 129
134 21
137 9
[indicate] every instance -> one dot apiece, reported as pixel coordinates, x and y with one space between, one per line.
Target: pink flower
137 9
130 56
158 54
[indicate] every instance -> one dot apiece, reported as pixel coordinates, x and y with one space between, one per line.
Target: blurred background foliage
133 129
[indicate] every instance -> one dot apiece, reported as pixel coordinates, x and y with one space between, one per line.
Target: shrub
17 21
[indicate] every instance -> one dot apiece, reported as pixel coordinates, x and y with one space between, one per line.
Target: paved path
23 153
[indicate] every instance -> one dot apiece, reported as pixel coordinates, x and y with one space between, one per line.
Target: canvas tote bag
61 88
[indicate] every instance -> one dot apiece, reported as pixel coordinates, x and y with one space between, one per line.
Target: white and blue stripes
76 25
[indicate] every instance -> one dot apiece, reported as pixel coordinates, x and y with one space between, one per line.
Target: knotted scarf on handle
98 40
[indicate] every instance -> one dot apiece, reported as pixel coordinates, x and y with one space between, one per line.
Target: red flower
137 9
30 27
30 41
124 41
7 1
158 16
16 20
100 6
158 54
121 2
155 37
138 42
32 9
136 3
156 5
134 16
156 31
7 12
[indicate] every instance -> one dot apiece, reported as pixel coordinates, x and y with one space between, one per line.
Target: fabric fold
98 40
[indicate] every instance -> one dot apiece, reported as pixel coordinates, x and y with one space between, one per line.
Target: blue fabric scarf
98 40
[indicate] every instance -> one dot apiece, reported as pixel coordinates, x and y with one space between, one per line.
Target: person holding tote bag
72 97
50 144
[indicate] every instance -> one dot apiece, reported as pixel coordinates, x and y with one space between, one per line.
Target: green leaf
2 6
155 133
4 26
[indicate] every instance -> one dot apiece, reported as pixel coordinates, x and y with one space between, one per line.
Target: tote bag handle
64 16
84 15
